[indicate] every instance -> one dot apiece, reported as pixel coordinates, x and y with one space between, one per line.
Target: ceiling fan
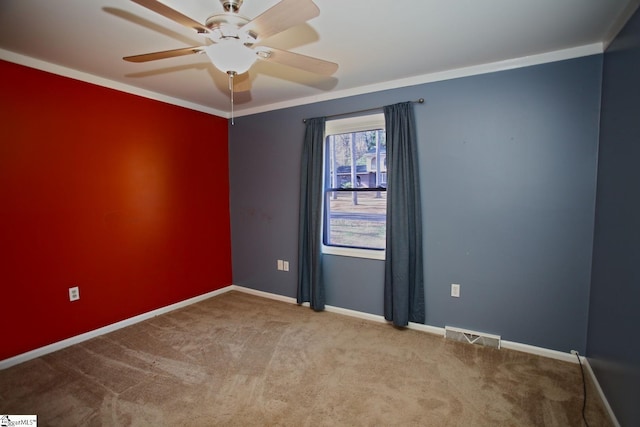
233 39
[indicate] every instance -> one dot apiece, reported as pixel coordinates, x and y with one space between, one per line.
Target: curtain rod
419 101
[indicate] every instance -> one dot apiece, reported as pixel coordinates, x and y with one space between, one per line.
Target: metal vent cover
471 337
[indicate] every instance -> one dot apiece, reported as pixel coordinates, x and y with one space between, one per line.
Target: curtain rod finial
421 101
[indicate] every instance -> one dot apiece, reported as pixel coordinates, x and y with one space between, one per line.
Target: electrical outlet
285 265
280 265
574 352
455 290
74 293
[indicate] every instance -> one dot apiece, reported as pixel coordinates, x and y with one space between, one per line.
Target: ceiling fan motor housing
226 26
231 5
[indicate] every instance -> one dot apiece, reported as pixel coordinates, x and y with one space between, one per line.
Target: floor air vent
471 337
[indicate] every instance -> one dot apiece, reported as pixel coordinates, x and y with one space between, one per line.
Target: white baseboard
263 294
612 416
544 352
6 363
567 357
525 348
339 310
540 351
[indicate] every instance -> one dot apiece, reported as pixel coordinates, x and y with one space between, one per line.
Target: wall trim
620 22
525 348
263 294
492 67
508 64
540 351
553 354
7 363
511 345
59 70
592 375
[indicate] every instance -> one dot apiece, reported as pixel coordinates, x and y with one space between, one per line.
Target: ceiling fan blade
163 54
296 60
284 15
242 83
172 14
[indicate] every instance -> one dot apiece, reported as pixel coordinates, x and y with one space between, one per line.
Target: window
355 198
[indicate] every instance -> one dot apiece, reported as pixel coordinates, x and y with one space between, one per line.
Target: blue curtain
404 275
310 288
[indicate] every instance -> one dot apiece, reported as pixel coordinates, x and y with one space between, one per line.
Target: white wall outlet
285 265
455 290
74 293
280 264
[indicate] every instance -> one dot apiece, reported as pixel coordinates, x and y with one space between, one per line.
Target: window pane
356 163
356 219
356 160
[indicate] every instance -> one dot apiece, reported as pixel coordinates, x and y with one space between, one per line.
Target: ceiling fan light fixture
231 56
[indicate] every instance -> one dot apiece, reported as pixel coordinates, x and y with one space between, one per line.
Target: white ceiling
377 44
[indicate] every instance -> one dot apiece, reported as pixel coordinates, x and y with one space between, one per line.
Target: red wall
125 197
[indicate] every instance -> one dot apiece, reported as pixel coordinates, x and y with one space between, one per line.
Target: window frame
335 127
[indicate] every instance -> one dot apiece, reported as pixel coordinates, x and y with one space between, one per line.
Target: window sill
353 252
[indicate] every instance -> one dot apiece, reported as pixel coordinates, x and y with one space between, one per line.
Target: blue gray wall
614 315
508 174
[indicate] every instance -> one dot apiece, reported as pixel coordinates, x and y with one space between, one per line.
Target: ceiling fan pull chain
231 75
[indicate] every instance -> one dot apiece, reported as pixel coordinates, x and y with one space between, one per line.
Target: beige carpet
242 360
